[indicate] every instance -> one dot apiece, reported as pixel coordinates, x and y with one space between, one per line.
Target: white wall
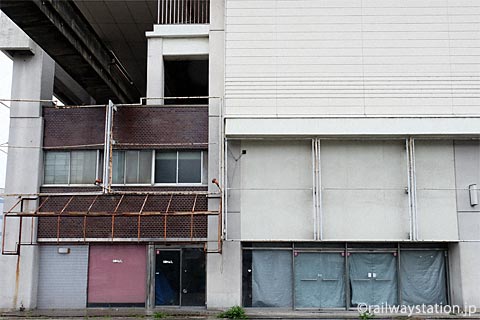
436 195
464 257
363 190
307 57
364 193
276 190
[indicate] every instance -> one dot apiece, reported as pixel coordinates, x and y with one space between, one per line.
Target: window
132 167
178 166
129 167
70 167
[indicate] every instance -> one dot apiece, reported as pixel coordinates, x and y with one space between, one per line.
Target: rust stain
17 282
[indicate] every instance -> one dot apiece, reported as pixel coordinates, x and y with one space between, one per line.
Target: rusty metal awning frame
65 214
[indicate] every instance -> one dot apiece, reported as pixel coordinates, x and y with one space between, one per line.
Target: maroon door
117 275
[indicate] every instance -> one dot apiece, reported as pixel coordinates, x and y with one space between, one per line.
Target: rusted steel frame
165 218
42 204
31 229
139 217
85 218
19 235
66 205
84 228
219 244
7 214
16 252
191 217
14 206
91 205
60 217
118 204
109 214
113 216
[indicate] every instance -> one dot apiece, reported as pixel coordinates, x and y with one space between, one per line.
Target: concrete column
32 79
464 275
463 256
155 70
224 271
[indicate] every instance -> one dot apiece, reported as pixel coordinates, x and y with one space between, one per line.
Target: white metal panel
351 126
345 57
276 190
62 281
363 190
436 194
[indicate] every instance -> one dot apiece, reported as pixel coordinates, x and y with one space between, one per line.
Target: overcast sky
5 87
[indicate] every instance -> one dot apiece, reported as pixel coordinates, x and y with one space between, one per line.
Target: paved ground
201 314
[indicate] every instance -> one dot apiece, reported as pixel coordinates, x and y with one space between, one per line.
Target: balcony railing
183 11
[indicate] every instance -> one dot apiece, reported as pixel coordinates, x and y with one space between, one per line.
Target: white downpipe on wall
314 189
319 198
414 194
412 189
409 191
225 189
107 172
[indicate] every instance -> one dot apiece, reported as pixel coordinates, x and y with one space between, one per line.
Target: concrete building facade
341 138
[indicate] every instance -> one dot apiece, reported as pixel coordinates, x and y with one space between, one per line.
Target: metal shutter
62 279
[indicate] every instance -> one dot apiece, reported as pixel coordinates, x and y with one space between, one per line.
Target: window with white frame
179 167
132 167
70 167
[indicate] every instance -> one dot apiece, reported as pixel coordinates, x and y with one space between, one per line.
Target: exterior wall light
472 191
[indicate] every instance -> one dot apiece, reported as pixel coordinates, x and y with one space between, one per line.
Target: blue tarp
373 278
319 280
271 278
422 277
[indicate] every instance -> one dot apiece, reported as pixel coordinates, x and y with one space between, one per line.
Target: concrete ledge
353 126
12 38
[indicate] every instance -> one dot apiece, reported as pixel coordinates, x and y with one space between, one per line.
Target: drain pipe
107 149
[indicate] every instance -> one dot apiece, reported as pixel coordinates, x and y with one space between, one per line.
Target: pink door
117 274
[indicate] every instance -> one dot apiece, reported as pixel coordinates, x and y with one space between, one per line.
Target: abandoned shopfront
121 275
343 276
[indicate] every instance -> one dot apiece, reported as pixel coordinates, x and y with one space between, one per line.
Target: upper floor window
70 167
178 166
129 167
132 167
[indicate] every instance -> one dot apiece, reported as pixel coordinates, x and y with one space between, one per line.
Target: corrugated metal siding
63 278
295 57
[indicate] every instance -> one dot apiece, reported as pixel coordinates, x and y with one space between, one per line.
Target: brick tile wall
153 127
124 227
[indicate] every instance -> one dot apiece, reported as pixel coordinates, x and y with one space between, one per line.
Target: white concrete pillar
155 70
224 271
464 275
464 257
33 78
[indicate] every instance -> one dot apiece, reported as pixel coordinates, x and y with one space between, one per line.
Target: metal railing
183 12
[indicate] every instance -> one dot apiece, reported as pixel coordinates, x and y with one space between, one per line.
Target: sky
5 88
